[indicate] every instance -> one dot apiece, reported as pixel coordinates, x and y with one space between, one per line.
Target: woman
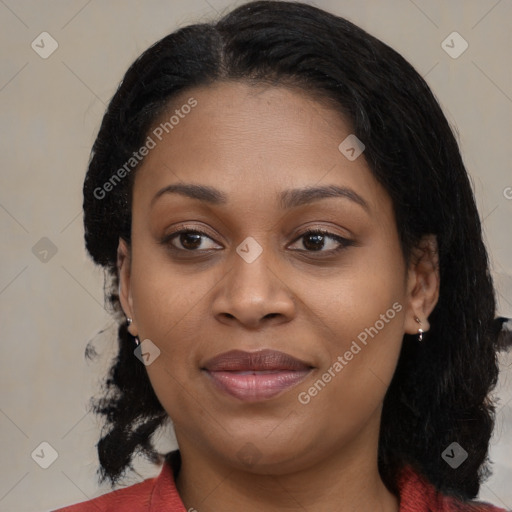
298 270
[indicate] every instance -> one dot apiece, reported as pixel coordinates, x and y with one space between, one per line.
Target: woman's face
261 277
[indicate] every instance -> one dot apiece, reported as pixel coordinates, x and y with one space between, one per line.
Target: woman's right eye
189 240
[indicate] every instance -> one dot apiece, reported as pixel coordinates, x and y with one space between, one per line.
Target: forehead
252 140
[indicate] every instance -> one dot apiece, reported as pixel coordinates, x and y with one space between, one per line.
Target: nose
253 295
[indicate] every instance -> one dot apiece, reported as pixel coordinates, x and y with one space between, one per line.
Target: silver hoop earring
136 338
420 330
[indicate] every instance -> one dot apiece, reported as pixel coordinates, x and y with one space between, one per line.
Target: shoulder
130 499
417 494
151 495
133 498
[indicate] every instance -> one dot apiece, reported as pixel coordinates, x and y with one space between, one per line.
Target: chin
263 455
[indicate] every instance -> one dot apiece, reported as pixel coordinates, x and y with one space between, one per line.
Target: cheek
167 306
362 315
361 356
161 296
367 296
163 304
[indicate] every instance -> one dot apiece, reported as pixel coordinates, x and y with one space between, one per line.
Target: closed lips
264 360
255 376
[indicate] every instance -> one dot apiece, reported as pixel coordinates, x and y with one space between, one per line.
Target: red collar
159 494
416 494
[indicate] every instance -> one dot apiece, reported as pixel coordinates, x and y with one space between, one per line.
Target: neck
347 480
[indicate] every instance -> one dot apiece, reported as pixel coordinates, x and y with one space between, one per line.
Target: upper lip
238 360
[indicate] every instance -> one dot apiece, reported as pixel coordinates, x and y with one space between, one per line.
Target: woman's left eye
319 240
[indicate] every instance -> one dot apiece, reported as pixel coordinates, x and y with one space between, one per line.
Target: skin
252 142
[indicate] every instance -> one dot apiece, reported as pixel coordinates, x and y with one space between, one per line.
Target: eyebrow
288 199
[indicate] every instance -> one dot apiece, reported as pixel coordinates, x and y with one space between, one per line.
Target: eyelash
344 242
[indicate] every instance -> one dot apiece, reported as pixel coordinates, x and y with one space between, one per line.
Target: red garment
159 494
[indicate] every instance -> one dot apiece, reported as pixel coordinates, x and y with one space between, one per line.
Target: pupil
194 244
319 241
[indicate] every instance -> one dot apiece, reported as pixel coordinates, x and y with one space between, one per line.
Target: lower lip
256 386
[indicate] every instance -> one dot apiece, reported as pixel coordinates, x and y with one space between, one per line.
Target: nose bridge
252 277
252 289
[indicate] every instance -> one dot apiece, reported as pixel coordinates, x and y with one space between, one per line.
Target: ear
422 284
124 272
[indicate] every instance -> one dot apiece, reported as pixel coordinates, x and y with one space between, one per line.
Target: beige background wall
51 305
